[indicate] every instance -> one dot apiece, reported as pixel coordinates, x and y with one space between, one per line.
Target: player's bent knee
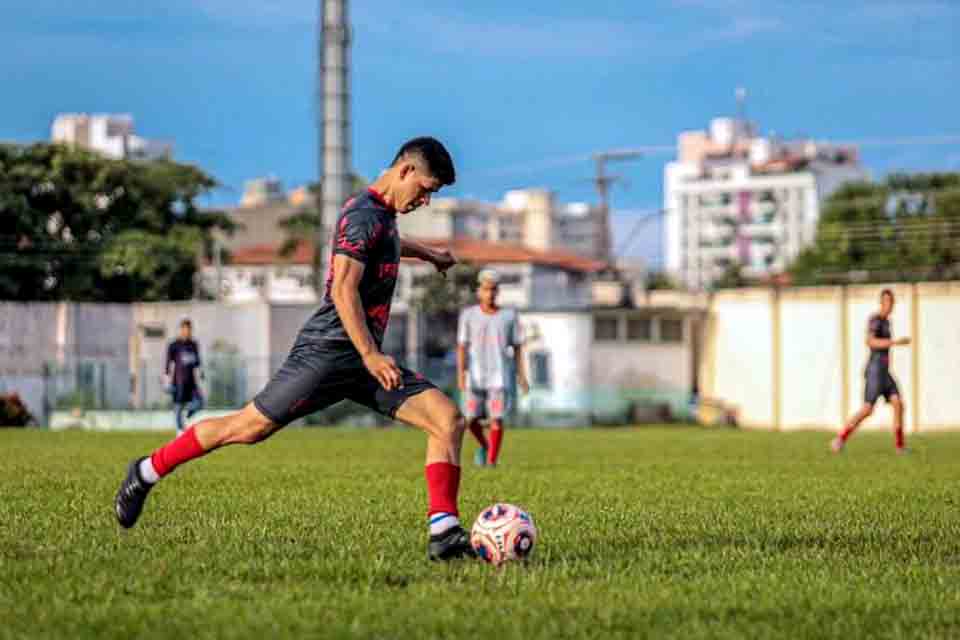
450 423
251 427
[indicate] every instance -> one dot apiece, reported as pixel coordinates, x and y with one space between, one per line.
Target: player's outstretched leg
247 426
476 428
438 416
838 443
899 442
496 441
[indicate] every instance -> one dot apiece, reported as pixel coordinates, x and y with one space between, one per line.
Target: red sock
898 435
846 433
176 452
496 439
443 485
477 430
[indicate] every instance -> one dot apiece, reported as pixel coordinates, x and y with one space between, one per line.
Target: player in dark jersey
181 372
337 353
879 382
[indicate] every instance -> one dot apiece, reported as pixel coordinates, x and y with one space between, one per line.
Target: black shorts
184 393
315 376
879 383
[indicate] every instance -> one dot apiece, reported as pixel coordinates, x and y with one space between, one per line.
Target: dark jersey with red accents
879 327
366 231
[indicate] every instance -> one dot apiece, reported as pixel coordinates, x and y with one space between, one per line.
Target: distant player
337 354
181 373
879 382
489 354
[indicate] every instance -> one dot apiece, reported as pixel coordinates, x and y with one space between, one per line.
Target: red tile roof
465 249
267 254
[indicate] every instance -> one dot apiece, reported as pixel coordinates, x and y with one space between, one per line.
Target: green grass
682 533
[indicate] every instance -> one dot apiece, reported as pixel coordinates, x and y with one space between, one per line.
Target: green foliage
439 294
441 298
75 225
658 280
906 228
645 533
731 278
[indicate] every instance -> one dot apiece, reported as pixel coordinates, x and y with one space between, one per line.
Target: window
605 328
540 369
639 329
671 330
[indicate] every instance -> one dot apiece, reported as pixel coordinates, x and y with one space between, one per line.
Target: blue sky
521 92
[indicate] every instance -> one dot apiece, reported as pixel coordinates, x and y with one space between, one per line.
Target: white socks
441 522
147 472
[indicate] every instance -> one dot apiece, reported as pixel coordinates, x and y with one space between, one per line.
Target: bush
13 413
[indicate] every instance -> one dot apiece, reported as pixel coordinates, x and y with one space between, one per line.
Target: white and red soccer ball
503 532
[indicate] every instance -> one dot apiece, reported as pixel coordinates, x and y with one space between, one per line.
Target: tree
440 299
659 280
731 278
75 225
906 228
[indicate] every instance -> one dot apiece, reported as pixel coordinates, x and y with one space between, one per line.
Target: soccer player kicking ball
337 354
879 382
486 334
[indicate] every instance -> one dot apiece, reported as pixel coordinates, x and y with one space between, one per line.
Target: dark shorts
879 383
184 393
315 376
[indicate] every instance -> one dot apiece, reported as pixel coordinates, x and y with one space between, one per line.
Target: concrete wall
219 329
795 359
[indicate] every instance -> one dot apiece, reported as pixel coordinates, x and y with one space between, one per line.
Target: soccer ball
503 532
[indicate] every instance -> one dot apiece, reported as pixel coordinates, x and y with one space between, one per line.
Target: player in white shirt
489 356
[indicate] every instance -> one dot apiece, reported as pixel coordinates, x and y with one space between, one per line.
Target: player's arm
882 343
345 291
521 364
462 342
167 375
442 259
519 357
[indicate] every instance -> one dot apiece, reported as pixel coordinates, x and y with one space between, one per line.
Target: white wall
811 347
937 345
738 367
567 338
816 326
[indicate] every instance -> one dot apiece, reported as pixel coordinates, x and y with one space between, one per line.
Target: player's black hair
434 154
186 323
887 292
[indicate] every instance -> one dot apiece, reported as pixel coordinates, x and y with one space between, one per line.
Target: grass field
682 533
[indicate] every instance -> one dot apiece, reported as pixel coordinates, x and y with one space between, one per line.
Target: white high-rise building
733 197
109 134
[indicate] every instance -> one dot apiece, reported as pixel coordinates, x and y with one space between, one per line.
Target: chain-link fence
229 381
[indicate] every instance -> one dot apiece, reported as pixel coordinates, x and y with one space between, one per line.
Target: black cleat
452 543
132 494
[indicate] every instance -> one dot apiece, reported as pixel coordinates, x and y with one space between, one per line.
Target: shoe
836 445
132 494
480 457
452 543
903 451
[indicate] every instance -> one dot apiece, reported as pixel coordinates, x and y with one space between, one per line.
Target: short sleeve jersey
366 231
185 356
879 327
489 338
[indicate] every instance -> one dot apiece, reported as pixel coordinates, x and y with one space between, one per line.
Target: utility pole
333 95
603 181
